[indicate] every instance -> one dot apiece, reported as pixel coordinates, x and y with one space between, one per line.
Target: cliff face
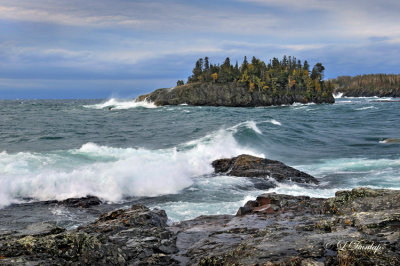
230 94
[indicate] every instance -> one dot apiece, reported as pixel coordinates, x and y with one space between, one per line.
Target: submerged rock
251 166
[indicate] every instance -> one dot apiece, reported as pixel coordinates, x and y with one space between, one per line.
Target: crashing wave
113 174
121 105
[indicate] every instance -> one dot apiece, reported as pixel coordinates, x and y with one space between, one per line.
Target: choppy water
161 156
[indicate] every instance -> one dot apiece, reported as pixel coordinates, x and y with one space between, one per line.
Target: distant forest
371 81
369 85
287 76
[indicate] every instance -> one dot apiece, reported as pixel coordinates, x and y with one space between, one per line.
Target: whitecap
272 121
365 108
390 140
111 173
249 124
338 95
114 104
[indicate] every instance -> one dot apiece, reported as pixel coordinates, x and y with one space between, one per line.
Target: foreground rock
251 166
357 227
229 94
132 236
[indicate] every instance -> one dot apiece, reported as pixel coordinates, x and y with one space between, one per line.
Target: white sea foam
275 122
358 172
338 95
217 201
355 165
391 140
272 121
365 108
296 190
383 99
121 104
114 173
301 104
249 124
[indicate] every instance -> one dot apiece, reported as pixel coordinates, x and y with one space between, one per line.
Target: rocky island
252 84
356 227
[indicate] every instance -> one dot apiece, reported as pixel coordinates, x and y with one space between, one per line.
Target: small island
380 85
251 84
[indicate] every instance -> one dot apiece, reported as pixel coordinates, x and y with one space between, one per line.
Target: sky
123 48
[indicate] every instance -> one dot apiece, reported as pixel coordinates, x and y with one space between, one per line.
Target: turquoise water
161 155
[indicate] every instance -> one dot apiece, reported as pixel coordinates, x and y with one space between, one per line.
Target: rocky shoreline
357 227
229 94
360 92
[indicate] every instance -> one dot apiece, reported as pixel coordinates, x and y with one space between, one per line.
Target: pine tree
244 65
206 64
306 66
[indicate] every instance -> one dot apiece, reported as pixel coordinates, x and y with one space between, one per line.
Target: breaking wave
114 174
121 105
338 95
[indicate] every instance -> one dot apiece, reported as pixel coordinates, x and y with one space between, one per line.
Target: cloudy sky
122 48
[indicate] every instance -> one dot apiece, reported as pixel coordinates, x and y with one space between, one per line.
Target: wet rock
84 202
40 229
133 236
251 166
278 229
357 227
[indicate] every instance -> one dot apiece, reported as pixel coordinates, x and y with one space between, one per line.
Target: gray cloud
102 42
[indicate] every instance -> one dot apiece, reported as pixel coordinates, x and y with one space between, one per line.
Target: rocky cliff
229 94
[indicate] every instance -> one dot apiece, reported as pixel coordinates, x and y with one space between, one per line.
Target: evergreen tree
306 66
244 65
284 77
226 71
198 70
285 62
206 64
236 71
318 72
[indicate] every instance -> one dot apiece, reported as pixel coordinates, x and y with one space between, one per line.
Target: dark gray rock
135 236
229 94
84 202
251 166
357 227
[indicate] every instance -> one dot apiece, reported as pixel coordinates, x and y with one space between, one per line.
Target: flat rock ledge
357 227
250 166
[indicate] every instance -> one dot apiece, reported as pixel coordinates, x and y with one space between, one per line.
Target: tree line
370 82
286 76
